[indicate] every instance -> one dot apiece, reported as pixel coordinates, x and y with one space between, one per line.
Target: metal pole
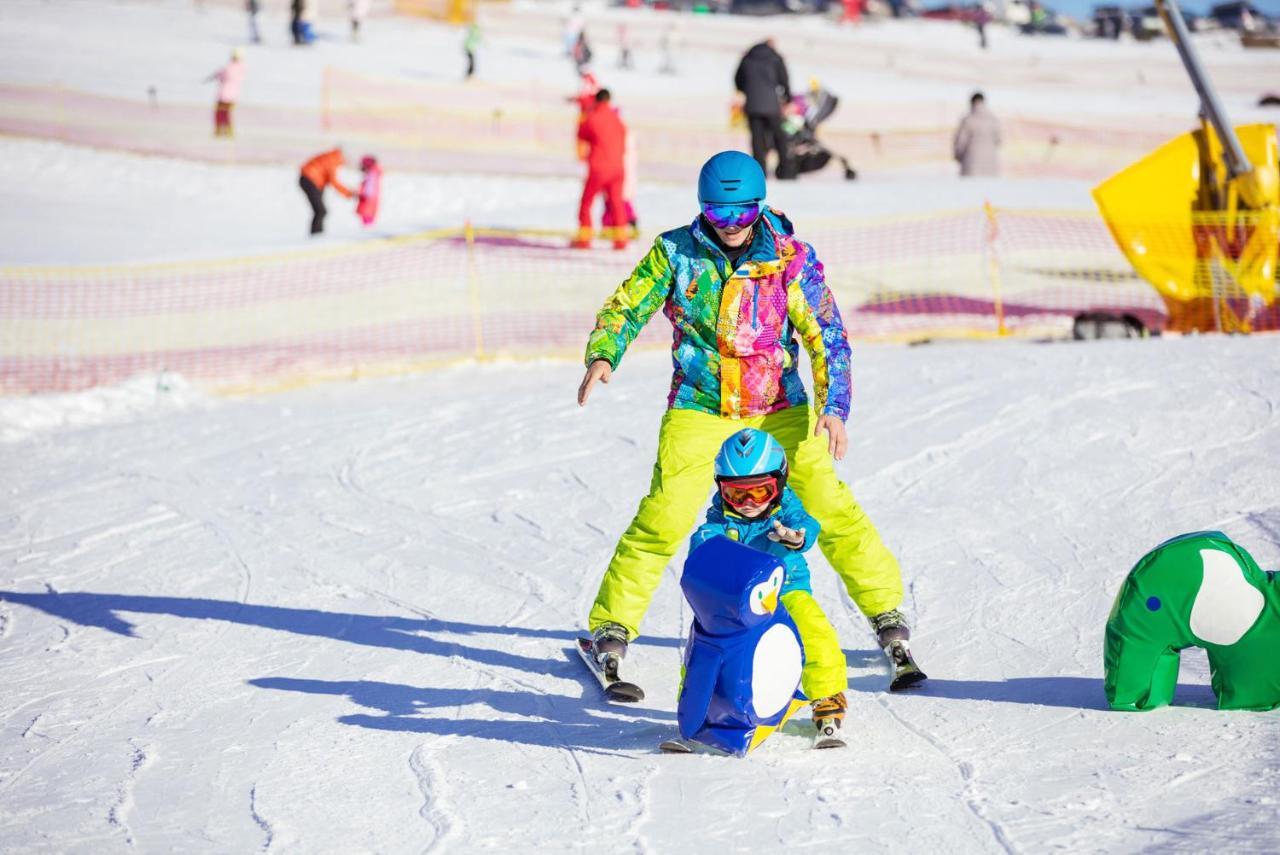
1232 152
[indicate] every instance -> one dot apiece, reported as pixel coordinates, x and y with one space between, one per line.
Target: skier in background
741 292
358 11
230 80
318 173
606 138
754 506
573 26
624 47
251 6
370 189
762 78
470 44
581 52
977 140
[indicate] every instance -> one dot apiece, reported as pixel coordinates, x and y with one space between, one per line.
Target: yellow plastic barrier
1182 224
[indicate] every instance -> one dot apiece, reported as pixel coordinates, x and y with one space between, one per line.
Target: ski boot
894 637
828 716
610 640
603 654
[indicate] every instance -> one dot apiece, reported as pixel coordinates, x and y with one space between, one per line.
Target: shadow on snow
1076 693
559 719
543 719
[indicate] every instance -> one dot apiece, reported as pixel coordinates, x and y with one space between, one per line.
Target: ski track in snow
118 817
259 820
435 810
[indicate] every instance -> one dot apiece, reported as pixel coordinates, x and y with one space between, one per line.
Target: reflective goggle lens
755 492
726 216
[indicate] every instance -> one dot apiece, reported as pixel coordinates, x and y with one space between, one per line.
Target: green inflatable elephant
1198 589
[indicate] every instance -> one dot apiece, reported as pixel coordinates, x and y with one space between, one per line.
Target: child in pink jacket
370 189
230 79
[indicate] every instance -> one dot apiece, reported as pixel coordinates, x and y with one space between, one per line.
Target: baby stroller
799 126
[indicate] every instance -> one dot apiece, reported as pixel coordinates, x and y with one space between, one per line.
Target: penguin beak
770 601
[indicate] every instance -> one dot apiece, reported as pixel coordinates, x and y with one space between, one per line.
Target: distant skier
606 138
471 44
358 11
977 140
573 26
754 506
318 173
742 293
581 52
230 80
251 7
762 78
370 189
624 47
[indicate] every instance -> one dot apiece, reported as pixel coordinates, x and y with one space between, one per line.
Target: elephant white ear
1226 606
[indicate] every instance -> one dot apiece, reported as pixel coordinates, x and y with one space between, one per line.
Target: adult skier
762 79
739 289
605 136
318 173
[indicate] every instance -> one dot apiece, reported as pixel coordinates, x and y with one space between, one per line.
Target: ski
828 734
615 688
675 746
906 672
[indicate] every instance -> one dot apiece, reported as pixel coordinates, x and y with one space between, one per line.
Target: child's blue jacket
754 533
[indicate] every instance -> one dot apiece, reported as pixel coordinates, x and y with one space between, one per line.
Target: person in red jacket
318 173
606 137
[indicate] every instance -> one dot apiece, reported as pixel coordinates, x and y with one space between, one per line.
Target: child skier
230 80
754 506
370 189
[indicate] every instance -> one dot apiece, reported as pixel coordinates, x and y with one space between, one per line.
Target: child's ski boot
828 716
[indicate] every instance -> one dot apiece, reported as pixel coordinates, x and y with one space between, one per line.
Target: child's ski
675 746
828 733
615 688
906 672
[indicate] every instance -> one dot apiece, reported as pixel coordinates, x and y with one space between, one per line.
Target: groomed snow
339 619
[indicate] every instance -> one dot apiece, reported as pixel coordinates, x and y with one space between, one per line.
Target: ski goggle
755 491
728 216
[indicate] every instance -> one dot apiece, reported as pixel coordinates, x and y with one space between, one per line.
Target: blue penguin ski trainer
743 661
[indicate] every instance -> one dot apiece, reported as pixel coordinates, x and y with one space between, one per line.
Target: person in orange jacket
606 136
318 173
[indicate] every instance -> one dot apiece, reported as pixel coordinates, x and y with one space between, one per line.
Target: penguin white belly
775 670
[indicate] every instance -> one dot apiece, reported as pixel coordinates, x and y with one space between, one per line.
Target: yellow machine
1199 218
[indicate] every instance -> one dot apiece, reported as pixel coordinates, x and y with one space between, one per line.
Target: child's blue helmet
730 178
751 452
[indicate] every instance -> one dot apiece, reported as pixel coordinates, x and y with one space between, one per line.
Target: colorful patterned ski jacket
755 533
734 346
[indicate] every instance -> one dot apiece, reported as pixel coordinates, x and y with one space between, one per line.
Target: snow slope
339 619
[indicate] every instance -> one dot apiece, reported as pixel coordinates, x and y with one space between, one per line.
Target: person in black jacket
762 78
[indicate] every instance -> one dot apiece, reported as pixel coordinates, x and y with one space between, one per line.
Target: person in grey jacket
977 140
762 78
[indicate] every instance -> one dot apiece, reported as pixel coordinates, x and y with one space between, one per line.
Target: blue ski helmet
730 178
751 452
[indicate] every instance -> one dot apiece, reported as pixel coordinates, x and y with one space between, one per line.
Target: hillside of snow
341 618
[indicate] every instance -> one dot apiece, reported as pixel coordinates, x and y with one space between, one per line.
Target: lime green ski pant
825 672
682 480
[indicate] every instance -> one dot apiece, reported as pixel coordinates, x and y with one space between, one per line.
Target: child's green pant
824 673
682 480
